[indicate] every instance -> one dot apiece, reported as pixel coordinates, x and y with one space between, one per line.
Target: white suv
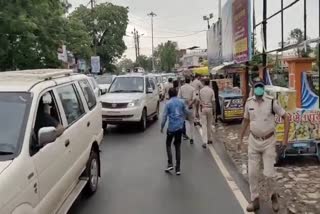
51 129
131 98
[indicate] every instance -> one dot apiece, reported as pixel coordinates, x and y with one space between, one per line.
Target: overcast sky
177 20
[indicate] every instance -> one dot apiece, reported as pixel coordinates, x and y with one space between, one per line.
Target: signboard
95 64
304 126
224 84
241 30
227 32
62 54
232 108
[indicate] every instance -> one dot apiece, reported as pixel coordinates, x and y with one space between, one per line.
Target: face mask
259 91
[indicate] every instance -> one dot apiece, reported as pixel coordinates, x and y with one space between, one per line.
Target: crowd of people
195 101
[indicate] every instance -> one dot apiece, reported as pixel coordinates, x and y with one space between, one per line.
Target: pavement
133 178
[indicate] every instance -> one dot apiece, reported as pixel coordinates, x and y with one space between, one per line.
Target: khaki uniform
187 93
197 85
207 104
167 86
262 141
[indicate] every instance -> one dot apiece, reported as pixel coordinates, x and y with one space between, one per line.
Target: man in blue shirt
176 111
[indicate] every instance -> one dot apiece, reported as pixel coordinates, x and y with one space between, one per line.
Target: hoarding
95 64
241 13
227 32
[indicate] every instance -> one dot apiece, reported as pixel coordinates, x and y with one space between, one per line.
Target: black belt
268 136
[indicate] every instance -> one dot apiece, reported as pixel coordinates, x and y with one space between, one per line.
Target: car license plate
300 145
113 112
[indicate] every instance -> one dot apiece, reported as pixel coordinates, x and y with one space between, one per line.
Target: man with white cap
260 111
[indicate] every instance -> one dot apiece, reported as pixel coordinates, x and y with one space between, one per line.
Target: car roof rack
42 74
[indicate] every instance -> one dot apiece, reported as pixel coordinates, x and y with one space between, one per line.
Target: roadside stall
304 131
231 106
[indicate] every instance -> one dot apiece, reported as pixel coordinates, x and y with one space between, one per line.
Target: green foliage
30 33
167 55
144 62
125 64
297 36
112 21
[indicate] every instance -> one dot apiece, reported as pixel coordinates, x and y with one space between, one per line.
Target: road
133 178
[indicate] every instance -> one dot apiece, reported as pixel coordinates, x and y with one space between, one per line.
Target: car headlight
134 103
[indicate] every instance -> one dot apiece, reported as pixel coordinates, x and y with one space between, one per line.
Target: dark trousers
176 138
184 129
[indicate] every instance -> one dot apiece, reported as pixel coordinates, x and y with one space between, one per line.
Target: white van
51 129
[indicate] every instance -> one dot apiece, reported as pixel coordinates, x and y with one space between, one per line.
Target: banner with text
241 13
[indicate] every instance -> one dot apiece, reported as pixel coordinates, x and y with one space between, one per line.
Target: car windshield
127 85
105 80
14 108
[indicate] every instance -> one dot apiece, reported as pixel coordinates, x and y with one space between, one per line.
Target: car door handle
67 143
88 124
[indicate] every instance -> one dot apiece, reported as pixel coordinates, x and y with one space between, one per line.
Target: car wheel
92 173
156 117
143 121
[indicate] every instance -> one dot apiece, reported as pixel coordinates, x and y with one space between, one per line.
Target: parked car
50 130
104 82
159 84
132 98
95 86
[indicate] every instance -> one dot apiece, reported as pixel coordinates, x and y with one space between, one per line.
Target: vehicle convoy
132 98
50 128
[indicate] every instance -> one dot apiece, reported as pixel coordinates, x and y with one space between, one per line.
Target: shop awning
216 69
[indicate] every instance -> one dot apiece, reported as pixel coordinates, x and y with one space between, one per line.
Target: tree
107 24
167 54
30 34
78 40
297 36
125 64
144 62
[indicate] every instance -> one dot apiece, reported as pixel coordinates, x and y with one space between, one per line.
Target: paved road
133 179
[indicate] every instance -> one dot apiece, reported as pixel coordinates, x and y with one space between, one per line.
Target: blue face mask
259 91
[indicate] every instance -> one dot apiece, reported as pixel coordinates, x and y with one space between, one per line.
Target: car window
93 83
14 111
152 84
127 85
104 80
148 85
72 106
88 94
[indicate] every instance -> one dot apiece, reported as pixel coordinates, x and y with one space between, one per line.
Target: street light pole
152 14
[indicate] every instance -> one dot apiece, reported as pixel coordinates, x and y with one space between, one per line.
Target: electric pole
207 18
152 14
135 42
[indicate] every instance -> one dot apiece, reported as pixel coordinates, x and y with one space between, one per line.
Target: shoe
191 141
204 146
275 202
178 172
209 142
253 206
168 169
185 137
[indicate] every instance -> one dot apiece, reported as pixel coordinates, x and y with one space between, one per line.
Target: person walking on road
167 86
197 85
176 111
207 107
259 114
216 95
187 93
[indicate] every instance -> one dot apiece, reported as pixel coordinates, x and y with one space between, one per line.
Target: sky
182 21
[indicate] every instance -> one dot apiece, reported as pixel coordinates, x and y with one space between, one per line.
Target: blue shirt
176 110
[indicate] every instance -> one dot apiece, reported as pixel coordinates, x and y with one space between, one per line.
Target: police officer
167 86
197 85
260 113
187 93
207 107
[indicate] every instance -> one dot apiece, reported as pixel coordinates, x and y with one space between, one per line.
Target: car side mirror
149 90
103 91
47 135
